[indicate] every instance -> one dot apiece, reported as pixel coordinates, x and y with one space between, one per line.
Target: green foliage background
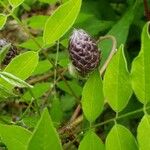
39 96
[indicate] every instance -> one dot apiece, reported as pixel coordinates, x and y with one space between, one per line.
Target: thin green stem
51 89
104 122
27 109
112 52
121 116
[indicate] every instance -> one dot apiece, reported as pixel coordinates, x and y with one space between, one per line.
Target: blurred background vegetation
122 18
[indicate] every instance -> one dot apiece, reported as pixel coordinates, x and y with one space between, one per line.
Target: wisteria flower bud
83 52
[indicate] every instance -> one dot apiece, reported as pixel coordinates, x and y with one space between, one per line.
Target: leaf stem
27 109
112 52
121 116
75 114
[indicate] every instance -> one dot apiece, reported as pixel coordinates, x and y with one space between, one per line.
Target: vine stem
113 51
52 87
27 109
76 112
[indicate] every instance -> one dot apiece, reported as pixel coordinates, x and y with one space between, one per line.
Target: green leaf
97 25
67 102
120 138
15 3
15 137
92 97
33 23
13 80
56 111
49 1
117 86
141 69
74 87
21 66
119 31
31 45
42 67
61 21
38 90
143 133
64 1
3 19
44 136
91 142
